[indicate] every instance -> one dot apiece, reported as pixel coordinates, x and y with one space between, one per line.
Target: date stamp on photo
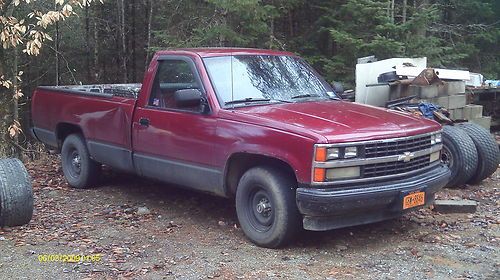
70 258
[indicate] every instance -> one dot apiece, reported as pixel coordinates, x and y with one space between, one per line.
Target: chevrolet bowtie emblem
406 157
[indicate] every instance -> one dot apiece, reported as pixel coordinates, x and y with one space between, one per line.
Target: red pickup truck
258 126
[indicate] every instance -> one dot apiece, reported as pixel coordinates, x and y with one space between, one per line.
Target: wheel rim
75 163
260 209
446 157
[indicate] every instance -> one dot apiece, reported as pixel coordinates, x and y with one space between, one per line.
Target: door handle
144 122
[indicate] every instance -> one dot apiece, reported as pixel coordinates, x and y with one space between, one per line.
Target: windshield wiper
335 98
247 100
253 99
304 96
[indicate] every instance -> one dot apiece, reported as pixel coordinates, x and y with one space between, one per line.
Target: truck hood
338 121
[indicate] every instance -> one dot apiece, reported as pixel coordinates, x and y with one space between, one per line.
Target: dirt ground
187 235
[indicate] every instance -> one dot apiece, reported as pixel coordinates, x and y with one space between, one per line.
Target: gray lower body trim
114 156
45 136
197 177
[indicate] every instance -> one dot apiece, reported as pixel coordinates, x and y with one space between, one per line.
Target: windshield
248 79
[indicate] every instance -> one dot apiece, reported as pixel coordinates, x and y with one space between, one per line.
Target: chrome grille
396 167
397 147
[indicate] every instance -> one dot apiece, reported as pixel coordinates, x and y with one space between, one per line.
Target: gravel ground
147 230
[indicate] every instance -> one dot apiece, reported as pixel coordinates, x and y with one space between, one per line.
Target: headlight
436 138
323 154
333 153
351 152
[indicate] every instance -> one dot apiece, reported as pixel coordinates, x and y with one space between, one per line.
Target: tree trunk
103 70
392 8
97 70
56 47
87 43
133 39
405 7
15 102
2 62
422 30
223 22
271 34
148 41
121 4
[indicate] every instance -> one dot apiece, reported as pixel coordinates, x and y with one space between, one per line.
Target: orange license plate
413 200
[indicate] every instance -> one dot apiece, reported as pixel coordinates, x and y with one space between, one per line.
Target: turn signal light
320 154
319 174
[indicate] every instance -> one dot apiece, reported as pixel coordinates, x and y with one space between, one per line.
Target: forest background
60 42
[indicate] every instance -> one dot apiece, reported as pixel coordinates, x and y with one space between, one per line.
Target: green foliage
113 42
218 23
331 35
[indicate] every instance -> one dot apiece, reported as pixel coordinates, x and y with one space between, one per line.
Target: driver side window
171 76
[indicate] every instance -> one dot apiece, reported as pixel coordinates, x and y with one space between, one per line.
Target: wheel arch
63 130
239 163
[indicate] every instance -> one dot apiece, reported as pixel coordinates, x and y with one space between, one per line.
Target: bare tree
96 51
150 22
405 7
87 42
122 36
133 41
15 104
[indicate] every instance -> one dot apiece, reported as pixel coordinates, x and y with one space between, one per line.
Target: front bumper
337 207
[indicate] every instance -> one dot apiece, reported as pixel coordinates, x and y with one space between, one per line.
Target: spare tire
459 153
16 194
487 151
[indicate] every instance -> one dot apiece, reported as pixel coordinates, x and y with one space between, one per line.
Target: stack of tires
471 153
16 194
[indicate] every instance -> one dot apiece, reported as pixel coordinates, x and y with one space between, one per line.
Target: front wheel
266 207
79 169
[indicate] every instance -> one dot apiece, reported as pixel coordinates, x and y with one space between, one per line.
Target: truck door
172 140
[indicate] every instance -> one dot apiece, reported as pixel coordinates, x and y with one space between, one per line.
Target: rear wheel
460 154
79 169
266 207
487 151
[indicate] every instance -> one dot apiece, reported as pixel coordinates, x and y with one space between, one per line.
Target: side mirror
188 97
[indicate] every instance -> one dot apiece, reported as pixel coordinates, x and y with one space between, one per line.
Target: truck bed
103 112
102 90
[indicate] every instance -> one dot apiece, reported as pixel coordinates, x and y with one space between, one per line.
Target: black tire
459 153
266 207
487 151
79 169
16 194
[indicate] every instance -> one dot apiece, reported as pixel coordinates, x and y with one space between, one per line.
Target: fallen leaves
135 246
68 219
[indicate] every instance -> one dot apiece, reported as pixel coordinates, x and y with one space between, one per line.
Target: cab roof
213 52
